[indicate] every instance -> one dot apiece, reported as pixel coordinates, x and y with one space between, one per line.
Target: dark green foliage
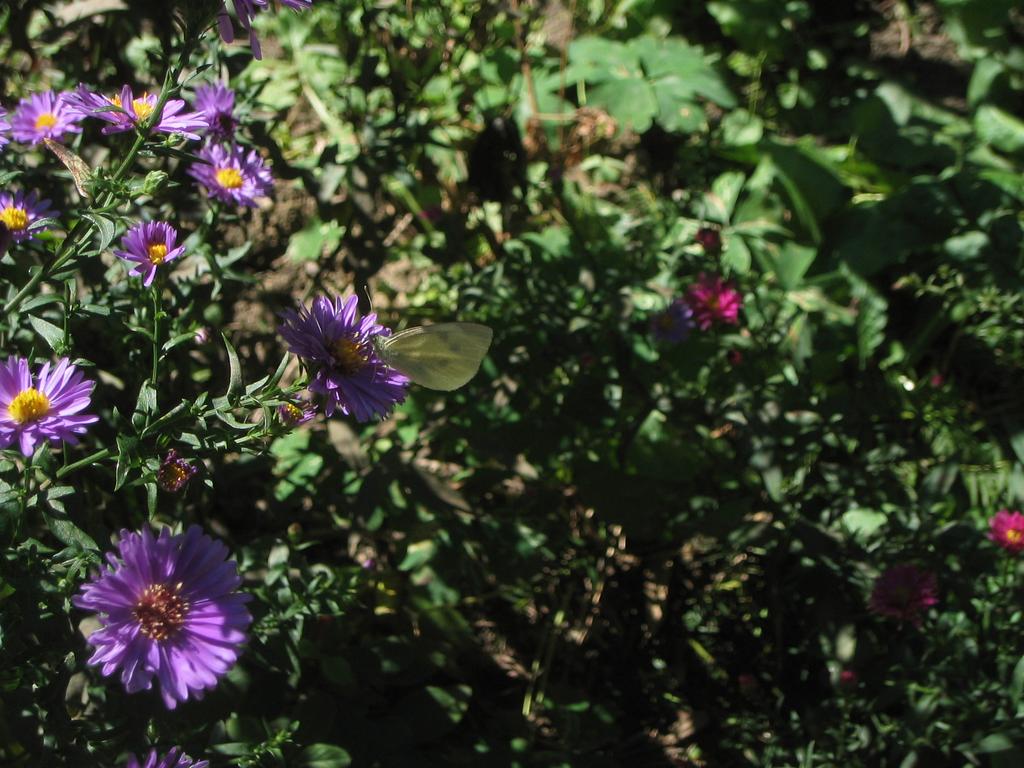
604 550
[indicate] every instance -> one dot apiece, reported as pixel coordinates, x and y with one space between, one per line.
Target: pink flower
904 592
847 679
1006 529
714 301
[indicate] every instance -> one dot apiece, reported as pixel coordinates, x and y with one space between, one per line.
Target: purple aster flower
294 414
217 103
149 244
231 175
174 472
169 609
48 407
173 759
45 115
19 211
246 10
4 127
674 324
126 112
339 346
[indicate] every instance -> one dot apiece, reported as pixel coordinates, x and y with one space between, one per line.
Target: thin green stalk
155 294
98 456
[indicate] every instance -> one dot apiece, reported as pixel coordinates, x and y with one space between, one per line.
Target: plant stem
100 455
155 294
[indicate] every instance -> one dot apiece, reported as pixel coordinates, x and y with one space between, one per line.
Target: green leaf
720 202
418 553
677 111
789 263
630 100
236 383
1000 129
872 318
317 239
1002 750
741 129
126 445
146 401
324 756
863 523
597 59
105 228
736 257
986 72
813 186
53 335
66 531
1017 681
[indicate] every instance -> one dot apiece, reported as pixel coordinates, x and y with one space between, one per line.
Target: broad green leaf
324 756
66 531
630 100
53 335
1000 129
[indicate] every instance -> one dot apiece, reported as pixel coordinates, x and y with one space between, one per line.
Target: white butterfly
442 356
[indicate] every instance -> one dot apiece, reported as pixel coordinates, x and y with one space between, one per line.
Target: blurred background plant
608 548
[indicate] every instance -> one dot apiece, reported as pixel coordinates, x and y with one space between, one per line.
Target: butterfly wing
443 356
80 170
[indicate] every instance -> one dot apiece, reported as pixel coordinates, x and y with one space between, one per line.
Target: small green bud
155 181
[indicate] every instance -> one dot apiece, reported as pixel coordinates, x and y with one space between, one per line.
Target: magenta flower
231 175
674 324
19 211
1006 529
246 10
44 115
217 103
714 301
904 592
349 373
169 609
126 112
173 759
48 407
174 472
149 244
4 127
294 414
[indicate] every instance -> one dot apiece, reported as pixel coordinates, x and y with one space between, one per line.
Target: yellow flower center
172 476
229 178
1014 535
292 412
157 253
15 219
29 405
142 107
349 356
161 611
46 120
